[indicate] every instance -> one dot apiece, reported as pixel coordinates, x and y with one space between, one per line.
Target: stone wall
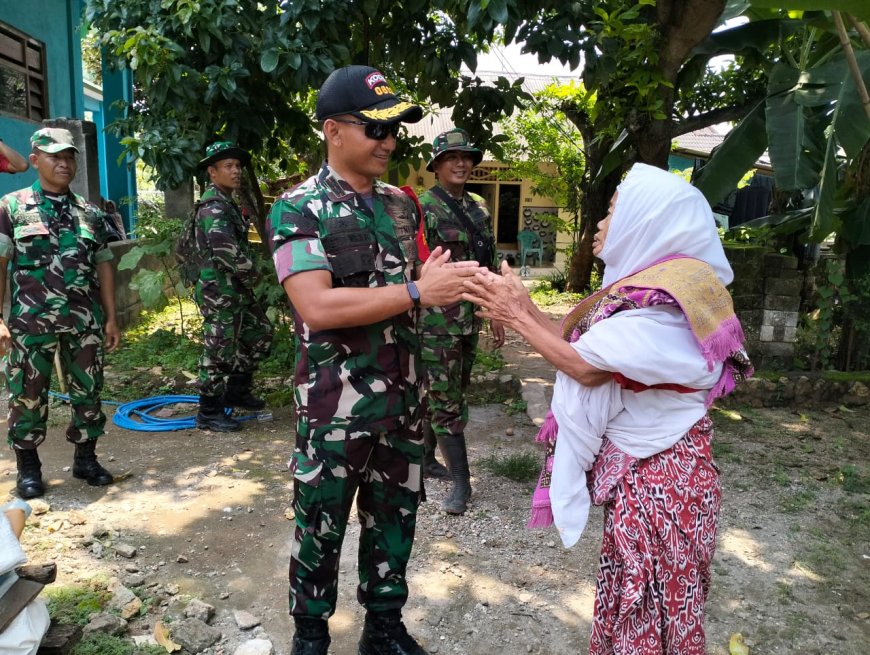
128 304
767 296
801 390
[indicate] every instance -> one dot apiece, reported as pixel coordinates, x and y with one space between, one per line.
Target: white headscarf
657 215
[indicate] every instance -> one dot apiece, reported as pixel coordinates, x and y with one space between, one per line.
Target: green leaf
149 285
131 258
856 225
755 36
823 213
851 122
269 60
860 8
737 154
795 136
370 8
498 10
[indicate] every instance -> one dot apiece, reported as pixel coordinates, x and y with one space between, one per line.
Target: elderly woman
638 364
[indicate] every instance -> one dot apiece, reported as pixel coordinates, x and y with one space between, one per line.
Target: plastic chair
531 245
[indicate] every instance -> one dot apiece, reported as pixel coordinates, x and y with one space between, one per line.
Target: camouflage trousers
447 362
384 471
235 340
28 372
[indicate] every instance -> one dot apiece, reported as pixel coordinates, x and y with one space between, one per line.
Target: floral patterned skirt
660 522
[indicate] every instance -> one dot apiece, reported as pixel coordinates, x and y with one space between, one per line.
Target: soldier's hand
497 330
5 339
440 281
113 336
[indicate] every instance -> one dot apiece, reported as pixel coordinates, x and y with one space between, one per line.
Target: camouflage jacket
350 382
228 270
445 229
54 249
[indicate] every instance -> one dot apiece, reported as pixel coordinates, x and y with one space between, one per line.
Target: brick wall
767 296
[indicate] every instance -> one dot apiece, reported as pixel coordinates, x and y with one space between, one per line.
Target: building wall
56 23
488 179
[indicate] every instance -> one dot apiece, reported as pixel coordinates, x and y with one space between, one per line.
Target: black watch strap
414 293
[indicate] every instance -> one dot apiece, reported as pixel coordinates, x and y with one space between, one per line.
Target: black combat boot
29 481
212 416
238 392
385 634
311 638
453 447
432 468
87 468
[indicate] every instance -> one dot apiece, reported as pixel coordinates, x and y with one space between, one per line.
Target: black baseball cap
363 92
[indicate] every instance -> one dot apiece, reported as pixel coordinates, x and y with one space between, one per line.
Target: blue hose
136 414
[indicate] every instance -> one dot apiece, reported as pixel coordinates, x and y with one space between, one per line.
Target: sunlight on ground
798 570
446 580
744 547
185 501
797 427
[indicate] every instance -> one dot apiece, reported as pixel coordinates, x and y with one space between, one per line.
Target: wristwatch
414 293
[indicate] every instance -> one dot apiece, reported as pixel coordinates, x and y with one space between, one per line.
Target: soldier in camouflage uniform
63 298
449 334
235 331
344 249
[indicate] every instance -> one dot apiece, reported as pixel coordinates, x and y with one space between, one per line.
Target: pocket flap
30 229
306 470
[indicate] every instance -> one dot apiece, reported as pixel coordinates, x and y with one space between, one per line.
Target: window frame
33 77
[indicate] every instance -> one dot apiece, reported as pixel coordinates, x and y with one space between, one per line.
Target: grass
486 361
824 556
853 481
157 341
74 604
798 501
543 295
519 467
847 376
101 644
515 405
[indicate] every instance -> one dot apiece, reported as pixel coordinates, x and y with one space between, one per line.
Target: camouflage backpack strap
187 254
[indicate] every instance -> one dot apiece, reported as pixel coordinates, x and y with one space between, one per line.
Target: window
23 88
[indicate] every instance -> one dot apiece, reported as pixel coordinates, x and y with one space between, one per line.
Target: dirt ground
207 513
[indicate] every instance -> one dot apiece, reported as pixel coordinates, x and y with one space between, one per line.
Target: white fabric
582 414
659 215
24 634
11 554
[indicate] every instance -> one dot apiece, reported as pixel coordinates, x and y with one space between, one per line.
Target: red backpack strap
422 246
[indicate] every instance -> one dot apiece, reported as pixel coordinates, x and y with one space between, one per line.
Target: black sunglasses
374 131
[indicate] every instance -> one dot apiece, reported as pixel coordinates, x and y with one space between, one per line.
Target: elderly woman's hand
502 298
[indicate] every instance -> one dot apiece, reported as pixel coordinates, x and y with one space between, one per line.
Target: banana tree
815 123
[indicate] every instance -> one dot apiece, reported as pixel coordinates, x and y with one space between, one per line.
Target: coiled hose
136 414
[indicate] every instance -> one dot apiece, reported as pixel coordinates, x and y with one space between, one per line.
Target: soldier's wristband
414 293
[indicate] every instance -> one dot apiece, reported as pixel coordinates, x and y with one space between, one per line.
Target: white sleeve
651 345
11 554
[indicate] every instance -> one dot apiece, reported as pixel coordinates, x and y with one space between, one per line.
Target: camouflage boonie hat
223 150
52 140
452 140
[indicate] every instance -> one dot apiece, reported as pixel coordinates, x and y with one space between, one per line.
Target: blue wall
59 31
